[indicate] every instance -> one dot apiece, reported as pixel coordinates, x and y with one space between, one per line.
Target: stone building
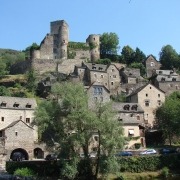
131 116
151 64
167 80
16 132
149 98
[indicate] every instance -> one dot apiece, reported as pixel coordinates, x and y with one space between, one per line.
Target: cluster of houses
101 82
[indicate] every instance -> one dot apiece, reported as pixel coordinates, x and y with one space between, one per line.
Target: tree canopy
69 121
167 117
169 58
109 44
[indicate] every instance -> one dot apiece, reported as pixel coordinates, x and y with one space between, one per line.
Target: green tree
127 54
169 58
71 123
109 45
139 56
4 91
31 80
138 66
167 116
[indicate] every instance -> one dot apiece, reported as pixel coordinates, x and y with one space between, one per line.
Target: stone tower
94 42
60 33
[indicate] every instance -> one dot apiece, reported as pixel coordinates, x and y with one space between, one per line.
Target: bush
27 172
165 172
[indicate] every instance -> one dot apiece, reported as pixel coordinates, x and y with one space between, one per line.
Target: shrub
24 172
165 172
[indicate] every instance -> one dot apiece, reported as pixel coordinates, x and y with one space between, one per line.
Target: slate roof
96 67
132 72
97 84
23 103
117 106
14 123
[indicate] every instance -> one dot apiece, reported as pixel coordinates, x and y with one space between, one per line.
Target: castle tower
60 32
94 42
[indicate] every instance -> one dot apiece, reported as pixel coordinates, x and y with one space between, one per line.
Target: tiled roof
14 123
17 102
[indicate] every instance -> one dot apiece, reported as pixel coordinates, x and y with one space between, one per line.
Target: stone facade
167 80
151 64
149 98
131 116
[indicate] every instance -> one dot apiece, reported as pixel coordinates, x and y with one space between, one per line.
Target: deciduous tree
72 123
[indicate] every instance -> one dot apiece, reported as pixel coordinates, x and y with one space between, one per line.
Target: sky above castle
146 24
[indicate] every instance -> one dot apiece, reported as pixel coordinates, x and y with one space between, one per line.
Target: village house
166 80
149 98
16 131
131 117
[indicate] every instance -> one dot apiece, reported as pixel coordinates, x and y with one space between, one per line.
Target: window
28 105
158 95
95 75
134 107
112 83
147 103
102 76
114 76
16 105
101 98
3 104
1 134
152 64
159 102
150 87
131 132
146 95
96 138
138 117
27 120
126 107
16 133
112 70
98 90
173 79
2 119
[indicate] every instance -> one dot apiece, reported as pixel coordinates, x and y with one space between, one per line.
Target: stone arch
22 151
38 153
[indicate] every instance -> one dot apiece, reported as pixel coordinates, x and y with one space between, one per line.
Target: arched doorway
22 151
38 153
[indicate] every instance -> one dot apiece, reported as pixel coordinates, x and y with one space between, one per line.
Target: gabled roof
97 84
141 88
96 67
119 107
10 101
14 123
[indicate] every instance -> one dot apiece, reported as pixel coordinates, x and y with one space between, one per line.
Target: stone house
167 80
131 116
97 93
151 64
16 132
149 98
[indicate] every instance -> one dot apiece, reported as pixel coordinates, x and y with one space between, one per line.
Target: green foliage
4 91
78 46
169 58
27 51
105 61
71 123
138 66
71 54
24 172
119 97
165 172
31 80
168 116
109 44
127 54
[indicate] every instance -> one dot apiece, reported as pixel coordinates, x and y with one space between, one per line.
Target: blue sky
146 24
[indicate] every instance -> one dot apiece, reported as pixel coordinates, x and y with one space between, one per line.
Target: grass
10 78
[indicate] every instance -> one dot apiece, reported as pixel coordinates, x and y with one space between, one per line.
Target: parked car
51 157
148 151
167 151
124 153
17 156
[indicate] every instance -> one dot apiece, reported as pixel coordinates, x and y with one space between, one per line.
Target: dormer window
28 105
94 67
126 107
160 72
134 107
16 105
173 79
3 104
